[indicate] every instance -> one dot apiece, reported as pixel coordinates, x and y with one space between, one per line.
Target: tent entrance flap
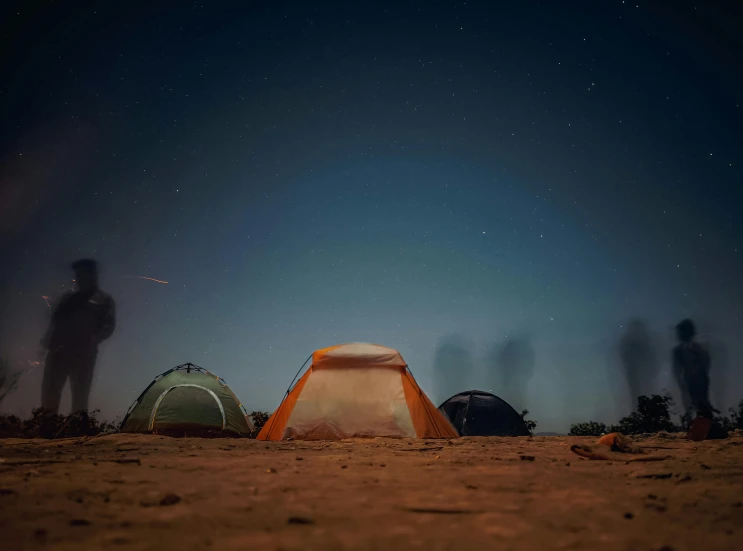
204 408
347 403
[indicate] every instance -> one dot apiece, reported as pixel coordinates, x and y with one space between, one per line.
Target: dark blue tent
478 413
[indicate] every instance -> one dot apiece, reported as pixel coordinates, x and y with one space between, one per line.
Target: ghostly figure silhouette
8 379
452 367
514 361
639 360
82 320
719 355
691 364
710 337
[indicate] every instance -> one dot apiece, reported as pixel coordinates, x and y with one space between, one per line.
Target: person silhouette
452 367
516 361
691 364
82 319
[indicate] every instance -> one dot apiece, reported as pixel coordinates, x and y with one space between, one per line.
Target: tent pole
273 417
420 393
466 411
129 411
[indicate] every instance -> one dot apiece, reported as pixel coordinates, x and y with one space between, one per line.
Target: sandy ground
495 493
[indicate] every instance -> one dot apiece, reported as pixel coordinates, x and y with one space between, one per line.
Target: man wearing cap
83 319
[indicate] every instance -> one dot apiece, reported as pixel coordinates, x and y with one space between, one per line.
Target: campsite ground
152 492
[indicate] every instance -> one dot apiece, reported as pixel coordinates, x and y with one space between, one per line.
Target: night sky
407 173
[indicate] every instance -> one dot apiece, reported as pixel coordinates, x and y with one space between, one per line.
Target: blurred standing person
81 321
516 361
639 360
452 367
713 340
691 364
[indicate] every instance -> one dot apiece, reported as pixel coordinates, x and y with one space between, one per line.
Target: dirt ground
154 492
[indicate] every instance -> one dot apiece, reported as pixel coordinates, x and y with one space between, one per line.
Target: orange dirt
493 493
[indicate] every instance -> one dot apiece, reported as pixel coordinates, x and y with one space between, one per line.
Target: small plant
652 415
11 426
736 417
592 428
259 419
43 424
530 425
723 425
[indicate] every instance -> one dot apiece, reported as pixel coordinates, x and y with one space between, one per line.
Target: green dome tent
188 400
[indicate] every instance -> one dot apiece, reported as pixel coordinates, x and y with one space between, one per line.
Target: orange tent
356 390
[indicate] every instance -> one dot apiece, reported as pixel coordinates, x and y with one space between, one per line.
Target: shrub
259 419
652 415
736 416
722 425
11 427
43 424
530 425
592 428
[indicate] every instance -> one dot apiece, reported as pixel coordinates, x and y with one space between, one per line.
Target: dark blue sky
308 173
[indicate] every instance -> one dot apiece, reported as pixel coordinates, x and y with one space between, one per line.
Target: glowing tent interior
356 390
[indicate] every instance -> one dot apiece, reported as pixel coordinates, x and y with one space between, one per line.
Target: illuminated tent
352 391
188 400
478 413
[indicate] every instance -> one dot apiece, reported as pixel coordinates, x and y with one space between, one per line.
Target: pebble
300 520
